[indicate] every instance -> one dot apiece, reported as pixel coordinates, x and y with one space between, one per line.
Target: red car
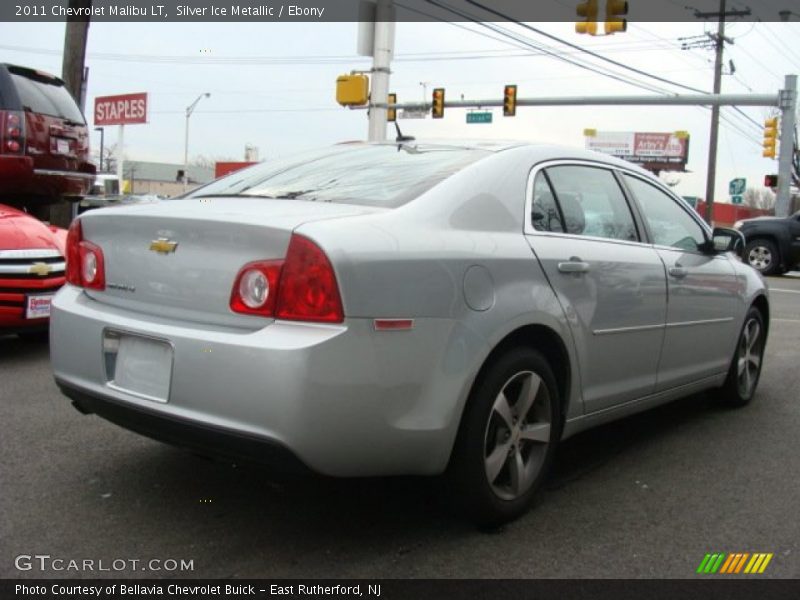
44 140
31 271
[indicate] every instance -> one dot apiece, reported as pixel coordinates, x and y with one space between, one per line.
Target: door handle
573 265
678 272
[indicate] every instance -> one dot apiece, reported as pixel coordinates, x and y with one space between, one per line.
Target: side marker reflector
393 324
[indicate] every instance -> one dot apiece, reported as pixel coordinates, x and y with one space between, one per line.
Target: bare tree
762 198
208 162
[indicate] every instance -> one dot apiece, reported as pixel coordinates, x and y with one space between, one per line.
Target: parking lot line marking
784 291
787 320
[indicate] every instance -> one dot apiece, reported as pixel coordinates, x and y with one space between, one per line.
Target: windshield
373 175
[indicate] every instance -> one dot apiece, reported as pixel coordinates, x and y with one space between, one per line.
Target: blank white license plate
143 367
62 146
38 306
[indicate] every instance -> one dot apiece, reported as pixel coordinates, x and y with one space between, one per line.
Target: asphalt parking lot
648 496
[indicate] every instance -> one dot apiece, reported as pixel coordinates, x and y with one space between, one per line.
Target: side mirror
728 240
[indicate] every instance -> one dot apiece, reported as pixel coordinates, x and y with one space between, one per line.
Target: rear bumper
19 177
187 434
343 400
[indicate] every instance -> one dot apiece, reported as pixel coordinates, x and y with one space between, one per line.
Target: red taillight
85 264
74 236
12 133
302 287
255 289
308 290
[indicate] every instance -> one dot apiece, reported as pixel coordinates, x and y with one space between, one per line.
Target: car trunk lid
179 259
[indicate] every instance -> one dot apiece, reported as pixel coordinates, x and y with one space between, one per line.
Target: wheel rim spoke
517 473
527 394
536 432
496 460
502 409
741 366
755 333
755 361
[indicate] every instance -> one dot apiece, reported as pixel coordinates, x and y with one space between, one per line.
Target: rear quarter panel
455 255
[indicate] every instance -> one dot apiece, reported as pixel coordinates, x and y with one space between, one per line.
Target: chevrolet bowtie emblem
163 246
40 269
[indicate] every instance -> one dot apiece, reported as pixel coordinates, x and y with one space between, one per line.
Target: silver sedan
406 308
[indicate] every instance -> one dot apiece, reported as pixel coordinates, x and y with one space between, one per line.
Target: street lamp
189 111
102 131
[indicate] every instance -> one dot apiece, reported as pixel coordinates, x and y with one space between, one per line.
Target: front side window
592 202
670 225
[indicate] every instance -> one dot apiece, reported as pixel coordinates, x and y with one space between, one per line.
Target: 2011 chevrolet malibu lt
406 308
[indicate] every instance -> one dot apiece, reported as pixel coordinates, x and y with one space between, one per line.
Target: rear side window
592 202
372 175
44 95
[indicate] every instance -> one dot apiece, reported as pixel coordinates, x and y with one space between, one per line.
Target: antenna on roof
400 137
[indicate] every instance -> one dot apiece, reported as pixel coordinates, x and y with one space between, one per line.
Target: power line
584 50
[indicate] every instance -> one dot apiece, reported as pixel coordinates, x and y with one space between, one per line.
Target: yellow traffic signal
352 90
588 11
391 113
437 108
770 137
510 101
614 10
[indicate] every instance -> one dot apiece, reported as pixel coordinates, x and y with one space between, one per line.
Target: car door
701 331
610 283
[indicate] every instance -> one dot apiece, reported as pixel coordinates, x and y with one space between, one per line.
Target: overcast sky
272 84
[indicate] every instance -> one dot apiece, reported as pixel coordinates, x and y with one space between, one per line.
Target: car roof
538 151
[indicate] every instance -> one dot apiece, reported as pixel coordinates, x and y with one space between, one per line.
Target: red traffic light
771 181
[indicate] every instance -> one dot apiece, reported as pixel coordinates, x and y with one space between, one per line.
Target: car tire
763 256
745 370
508 435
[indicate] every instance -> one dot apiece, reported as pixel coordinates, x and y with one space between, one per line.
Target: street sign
737 186
413 114
737 198
479 117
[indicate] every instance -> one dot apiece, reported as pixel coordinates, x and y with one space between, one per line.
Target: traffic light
510 101
771 181
352 90
770 137
437 107
588 11
391 113
615 9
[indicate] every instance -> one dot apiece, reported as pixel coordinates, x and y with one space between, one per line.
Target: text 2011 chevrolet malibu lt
407 308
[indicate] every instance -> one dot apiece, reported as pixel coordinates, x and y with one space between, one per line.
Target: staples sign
120 110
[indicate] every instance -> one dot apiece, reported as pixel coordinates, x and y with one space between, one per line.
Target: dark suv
44 141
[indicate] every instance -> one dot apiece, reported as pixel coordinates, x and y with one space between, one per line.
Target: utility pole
719 40
73 73
383 49
788 106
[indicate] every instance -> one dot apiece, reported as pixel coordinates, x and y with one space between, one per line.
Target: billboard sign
126 109
653 151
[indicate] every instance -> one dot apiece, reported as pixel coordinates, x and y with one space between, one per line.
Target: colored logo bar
734 563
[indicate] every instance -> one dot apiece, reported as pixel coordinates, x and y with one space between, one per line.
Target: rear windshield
372 175
44 95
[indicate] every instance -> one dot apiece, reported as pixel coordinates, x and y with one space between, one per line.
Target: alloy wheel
751 350
517 435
